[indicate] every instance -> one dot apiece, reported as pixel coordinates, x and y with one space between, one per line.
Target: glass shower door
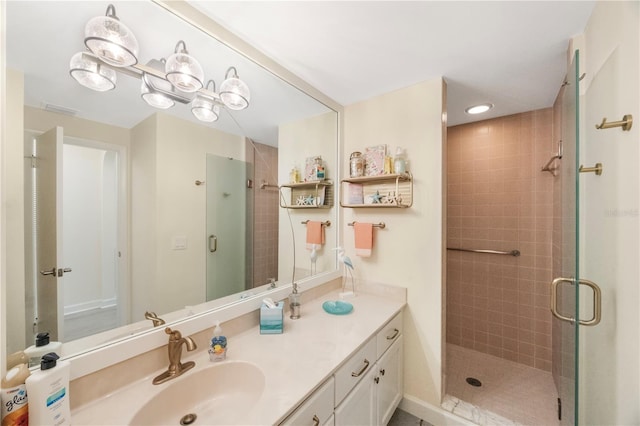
564 289
226 226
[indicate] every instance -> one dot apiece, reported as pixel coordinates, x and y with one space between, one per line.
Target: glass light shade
184 72
90 73
155 99
111 40
234 93
205 109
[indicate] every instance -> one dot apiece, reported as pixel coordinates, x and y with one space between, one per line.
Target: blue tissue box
272 319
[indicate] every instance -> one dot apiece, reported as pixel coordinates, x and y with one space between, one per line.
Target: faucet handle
154 318
173 334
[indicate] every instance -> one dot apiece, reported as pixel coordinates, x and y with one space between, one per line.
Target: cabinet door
390 385
359 407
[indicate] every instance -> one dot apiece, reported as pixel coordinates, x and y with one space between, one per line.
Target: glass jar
356 164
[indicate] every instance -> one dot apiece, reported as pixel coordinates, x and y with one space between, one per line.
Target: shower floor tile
522 394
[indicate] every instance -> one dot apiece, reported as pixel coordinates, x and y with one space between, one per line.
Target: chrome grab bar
515 253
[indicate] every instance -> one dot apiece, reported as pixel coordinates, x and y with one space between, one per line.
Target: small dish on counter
337 307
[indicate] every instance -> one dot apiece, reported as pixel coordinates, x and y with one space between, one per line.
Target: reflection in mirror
120 208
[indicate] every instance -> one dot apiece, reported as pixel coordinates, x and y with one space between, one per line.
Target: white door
359 407
48 224
390 383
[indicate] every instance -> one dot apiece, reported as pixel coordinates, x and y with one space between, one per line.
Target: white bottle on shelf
48 390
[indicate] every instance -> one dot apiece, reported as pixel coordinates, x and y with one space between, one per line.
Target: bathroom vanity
324 369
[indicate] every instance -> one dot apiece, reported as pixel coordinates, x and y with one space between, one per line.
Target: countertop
294 363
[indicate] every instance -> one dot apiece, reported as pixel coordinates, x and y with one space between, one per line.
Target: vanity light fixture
204 107
478 109
234 92
183 70
91 72
179 79
111 40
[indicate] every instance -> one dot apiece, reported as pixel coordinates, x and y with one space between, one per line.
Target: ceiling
511 54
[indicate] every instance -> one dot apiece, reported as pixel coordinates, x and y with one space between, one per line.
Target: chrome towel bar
515 253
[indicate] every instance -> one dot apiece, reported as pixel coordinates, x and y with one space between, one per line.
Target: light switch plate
179 242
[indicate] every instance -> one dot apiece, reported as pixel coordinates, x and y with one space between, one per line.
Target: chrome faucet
154 318
176 368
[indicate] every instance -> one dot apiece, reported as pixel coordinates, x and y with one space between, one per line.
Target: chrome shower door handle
597 301
213 243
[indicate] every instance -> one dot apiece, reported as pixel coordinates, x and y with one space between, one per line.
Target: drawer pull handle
359 373
316 420
395 334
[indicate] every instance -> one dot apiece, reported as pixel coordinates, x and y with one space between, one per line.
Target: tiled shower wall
499 199
265 249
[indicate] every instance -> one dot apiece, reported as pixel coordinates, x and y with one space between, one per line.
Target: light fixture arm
211 83
111 12
235 73
184 47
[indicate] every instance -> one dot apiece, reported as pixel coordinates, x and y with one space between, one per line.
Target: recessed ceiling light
478 109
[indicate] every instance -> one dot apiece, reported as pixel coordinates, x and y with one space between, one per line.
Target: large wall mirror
119 208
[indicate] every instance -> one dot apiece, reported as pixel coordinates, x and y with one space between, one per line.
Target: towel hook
625 123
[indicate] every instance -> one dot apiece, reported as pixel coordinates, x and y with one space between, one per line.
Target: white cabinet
365 390
389 387
373 400
315 410
359 407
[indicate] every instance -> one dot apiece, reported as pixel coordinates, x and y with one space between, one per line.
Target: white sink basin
219 394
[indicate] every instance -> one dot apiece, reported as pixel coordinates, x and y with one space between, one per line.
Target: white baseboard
80 308
431 413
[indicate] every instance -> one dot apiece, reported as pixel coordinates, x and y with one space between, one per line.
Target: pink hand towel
364 238
315 234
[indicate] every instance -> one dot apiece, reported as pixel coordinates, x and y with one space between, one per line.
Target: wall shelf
382 191
308 195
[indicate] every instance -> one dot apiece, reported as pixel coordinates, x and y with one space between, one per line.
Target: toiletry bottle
218 347
294 303
319 168
294 175
48 390
399 163
13 393
43 346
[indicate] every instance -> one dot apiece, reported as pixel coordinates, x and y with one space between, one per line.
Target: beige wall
297 141
170 164
408 252
609 216
500 200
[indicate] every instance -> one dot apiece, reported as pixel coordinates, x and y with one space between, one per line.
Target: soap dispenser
218 347
294 303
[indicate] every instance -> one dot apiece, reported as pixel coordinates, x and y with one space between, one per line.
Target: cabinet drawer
354 369
389 334
316 410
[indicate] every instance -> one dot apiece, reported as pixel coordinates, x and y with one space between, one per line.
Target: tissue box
272 319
